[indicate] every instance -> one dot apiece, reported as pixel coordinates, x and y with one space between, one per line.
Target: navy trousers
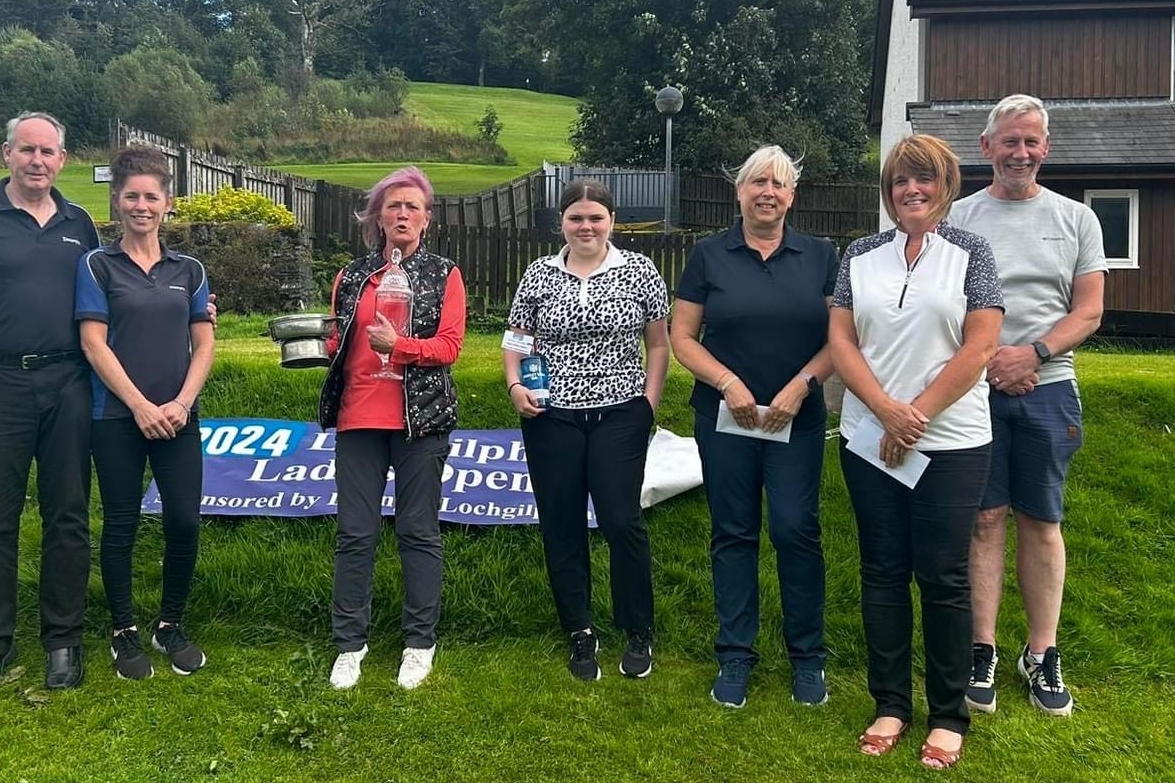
736 470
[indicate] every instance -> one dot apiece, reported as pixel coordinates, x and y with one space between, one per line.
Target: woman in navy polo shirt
761 290
916 316
147 333
589 308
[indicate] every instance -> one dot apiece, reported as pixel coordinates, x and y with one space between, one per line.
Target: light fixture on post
668 102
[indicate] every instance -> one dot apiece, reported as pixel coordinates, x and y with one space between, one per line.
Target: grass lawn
500 705
535 127
448 179
76 181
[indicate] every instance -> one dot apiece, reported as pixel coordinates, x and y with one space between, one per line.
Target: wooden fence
492 260
493 235
510 205
195 171
839 212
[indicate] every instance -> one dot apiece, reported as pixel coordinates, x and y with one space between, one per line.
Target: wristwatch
810 379
1042 351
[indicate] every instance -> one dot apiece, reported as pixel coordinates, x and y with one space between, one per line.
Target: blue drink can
536 377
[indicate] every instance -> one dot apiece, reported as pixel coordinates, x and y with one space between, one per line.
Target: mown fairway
500 705
535 127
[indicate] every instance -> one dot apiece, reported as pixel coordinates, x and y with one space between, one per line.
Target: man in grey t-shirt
1052 266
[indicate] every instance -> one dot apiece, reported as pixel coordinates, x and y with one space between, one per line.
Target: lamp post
668 102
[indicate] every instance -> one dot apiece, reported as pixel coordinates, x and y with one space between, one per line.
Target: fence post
182 170
288 184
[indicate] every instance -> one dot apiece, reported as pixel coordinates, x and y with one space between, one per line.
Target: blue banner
269 467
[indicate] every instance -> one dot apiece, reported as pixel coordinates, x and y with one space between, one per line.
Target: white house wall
905 81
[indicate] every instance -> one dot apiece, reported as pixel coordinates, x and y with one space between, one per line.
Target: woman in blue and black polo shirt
147 333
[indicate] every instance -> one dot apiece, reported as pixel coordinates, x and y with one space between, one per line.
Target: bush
157 89
325 266
36 75
251 268
379 94
233 205
489 126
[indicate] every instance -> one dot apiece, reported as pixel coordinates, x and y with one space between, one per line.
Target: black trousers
600 452
45 415
121 453
362 458
924 533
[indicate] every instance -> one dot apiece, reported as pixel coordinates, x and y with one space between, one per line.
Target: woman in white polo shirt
916 315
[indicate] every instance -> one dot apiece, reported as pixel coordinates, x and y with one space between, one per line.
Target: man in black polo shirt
44 391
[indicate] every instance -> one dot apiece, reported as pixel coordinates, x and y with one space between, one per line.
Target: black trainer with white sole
185 657
130 662
1046 689
981 688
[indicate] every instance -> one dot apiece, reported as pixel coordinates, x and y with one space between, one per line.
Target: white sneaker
345 673
415 666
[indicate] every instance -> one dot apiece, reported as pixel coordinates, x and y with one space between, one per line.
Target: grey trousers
362 458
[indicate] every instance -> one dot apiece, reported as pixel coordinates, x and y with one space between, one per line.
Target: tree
778 72
157 89
38 75
319 19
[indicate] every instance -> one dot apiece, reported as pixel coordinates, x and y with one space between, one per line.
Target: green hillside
535 127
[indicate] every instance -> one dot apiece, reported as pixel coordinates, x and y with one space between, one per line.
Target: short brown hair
923 154
139 159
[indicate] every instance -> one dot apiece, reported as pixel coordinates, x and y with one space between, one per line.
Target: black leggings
121 453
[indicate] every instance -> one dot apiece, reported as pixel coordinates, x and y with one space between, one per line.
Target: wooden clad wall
1050 57
1151 287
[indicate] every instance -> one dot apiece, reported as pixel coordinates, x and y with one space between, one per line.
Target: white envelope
866 444
727 424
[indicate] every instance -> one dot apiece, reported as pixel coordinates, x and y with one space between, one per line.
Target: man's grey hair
1014 106
35 115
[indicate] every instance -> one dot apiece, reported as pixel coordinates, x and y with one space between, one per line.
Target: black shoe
7 657
64 668
185 656
638 656
981 688
1046 689
129 661
584 646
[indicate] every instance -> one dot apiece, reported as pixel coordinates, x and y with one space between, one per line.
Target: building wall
904 83
1151 287
1050 57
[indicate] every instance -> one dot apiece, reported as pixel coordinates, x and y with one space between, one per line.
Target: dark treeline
786 71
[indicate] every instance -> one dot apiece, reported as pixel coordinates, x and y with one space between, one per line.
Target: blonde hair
770 158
